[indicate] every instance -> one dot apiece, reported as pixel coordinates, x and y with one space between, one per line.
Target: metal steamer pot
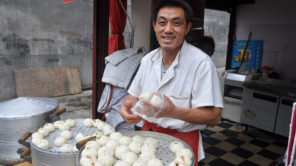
18 116
52 156
40 157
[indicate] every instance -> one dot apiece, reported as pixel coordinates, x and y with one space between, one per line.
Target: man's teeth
168 38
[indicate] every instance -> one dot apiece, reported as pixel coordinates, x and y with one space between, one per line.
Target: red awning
117 24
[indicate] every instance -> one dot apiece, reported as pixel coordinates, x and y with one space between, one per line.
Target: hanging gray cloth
121 67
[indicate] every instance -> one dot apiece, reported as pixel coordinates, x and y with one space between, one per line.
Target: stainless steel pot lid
26 107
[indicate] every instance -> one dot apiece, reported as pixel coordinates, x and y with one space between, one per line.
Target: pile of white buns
40 137
120 150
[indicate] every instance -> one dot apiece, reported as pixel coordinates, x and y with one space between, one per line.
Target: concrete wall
141 22
273 22
36 34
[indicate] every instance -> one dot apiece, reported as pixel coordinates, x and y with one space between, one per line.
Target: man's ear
189 25
153 24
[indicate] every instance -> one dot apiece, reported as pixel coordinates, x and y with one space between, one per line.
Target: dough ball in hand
146 96
155 100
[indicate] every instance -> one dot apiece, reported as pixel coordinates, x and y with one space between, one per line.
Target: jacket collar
170 74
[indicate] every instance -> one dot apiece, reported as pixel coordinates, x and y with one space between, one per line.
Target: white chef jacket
190 82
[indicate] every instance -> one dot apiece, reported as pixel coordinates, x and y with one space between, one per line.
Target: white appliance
233 94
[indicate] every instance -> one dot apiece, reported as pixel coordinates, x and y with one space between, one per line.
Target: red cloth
291 135
117 24
191 138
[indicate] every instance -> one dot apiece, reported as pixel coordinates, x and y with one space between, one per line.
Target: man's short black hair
207 44
172 3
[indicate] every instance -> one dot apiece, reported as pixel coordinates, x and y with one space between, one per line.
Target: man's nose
169 28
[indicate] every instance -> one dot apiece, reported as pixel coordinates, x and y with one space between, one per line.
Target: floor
229 144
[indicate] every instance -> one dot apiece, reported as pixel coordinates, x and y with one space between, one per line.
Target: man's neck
169 56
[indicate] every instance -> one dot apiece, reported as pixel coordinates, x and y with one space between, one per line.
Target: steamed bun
66 134
43 144
59 141
175 146
88 122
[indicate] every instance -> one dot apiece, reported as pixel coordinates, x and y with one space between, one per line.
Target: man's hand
125 110
167 109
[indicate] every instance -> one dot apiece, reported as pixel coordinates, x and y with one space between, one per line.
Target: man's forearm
202 115
131 98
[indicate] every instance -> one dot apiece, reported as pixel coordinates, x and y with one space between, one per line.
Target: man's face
170 28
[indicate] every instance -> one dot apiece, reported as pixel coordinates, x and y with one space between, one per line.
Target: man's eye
161 23
177 23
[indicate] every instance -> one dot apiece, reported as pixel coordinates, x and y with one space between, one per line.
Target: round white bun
37 135
122 163
120 150
88 122
135 147
125 140
130 157
50 127
66 134
79 137
154 162
43 131
59 141
70 122
43 144
175 146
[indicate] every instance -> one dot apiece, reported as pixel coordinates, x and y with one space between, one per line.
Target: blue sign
253 55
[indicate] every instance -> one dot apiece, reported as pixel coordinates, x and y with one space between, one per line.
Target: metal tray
163 152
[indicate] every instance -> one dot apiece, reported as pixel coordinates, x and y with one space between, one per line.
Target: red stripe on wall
65 1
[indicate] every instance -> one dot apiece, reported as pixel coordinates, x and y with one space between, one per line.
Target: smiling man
184 74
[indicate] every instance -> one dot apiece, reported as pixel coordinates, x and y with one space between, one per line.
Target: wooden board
47 82
24 164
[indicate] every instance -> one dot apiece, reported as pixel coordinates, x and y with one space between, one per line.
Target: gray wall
141 22
273 22
35 33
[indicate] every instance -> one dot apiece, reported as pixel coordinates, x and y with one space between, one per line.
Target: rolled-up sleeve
136 85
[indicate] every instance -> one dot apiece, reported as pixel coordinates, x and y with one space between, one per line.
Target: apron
191 138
